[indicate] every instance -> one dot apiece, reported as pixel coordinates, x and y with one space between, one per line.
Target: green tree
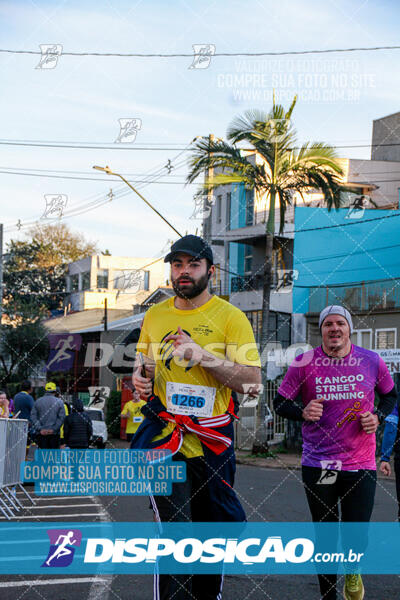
22 349
59 245
35 269
285 168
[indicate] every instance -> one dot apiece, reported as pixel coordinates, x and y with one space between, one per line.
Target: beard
195 288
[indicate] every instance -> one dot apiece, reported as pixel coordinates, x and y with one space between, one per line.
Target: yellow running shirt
219 328
135 416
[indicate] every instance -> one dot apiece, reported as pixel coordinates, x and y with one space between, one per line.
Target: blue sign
231 548
103 472
334 247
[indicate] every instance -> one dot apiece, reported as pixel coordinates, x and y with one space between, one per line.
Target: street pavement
267 494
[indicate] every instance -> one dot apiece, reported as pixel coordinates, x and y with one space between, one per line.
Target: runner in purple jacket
332 390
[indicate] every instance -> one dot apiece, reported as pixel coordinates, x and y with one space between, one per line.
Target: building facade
234 224
353 263
121 280
386 138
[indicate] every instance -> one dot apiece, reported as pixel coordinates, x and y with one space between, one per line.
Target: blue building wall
331 248
237 215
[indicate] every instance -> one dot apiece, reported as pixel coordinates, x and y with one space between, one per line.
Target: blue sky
82 98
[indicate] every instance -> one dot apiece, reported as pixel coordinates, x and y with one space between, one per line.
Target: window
279 329
238 206
385 338
248 258
94 415
362 337
228 210
74 282
249 207
219 208
216 279
283 329
86 280
102 278
146 285
254 316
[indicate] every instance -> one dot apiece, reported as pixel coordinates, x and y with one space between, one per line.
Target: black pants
190 501
48 442
397 475
354 491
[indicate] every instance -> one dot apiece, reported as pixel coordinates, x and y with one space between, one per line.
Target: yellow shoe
353 587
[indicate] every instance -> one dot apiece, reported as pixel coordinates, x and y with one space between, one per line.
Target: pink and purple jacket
347 385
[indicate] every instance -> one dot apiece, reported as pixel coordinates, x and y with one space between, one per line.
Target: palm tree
285 169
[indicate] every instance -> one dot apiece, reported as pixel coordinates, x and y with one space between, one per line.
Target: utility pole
105 315
208 201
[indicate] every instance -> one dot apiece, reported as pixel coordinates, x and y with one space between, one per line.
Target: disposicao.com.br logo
62 547
193 550
184 547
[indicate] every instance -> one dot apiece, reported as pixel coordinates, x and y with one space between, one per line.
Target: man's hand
313 411
142 384
369 422
185 347
46 431
385 468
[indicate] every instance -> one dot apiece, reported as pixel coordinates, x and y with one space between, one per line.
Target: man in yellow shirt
133 415
196 348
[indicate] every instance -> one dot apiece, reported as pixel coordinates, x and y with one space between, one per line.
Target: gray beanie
336 310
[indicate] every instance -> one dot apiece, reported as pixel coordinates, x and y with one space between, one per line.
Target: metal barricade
13 437
257 426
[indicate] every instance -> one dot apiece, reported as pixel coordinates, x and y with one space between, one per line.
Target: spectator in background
133 414
67 410
77 426
390 442
47 417
23 404
4 405
23 401
11 405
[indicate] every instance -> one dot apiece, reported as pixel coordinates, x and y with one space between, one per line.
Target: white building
123 280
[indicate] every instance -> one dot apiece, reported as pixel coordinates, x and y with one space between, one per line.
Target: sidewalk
279 460
288 461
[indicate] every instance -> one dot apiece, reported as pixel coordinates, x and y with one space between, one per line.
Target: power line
46 174
378 181
71 172
87 146
348 284
23 174
159 147
348 254
204 53
122 191
355 222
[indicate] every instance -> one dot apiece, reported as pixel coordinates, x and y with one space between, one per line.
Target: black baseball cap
192 245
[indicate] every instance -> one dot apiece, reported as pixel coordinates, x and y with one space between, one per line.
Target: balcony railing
364 296
246 283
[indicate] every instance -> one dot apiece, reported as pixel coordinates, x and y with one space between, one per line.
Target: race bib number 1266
184 399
